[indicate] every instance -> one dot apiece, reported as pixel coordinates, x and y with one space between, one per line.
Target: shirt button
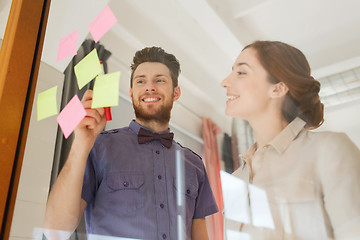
126 184
159 177
157 152
266 147
162 205
188 191
164 236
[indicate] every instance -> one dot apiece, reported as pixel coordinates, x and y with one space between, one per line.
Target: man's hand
93 123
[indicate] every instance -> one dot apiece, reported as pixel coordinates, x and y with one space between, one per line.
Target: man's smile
151 99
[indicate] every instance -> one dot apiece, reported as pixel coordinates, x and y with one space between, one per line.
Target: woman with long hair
311 178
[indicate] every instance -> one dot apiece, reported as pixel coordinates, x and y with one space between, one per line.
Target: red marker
108 116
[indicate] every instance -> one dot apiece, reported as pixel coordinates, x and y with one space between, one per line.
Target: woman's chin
234 114
230 113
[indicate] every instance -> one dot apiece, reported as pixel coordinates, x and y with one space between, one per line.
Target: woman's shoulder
330 141
327 136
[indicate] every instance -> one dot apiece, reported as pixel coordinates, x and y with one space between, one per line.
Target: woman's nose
225 82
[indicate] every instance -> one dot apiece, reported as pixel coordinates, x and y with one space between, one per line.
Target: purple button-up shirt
130 187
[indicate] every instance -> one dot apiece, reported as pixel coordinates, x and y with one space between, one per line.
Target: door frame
20 57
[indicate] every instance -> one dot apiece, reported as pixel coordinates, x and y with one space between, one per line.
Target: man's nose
150 87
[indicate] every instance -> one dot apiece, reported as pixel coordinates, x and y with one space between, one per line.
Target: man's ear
130 93
279 90
177 93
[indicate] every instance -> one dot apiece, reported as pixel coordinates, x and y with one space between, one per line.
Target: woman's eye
240 73
159 80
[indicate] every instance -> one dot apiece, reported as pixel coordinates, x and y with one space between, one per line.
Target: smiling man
124 179
153 92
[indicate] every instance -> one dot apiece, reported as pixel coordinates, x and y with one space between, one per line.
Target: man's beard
161 115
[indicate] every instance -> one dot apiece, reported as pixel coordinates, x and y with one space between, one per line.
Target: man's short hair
156 54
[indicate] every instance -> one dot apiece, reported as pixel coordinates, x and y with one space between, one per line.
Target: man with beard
125 179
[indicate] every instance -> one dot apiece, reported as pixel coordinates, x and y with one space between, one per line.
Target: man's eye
160 80
139 81
240 73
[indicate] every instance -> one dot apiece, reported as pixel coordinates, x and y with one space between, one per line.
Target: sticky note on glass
106 90
71 116
88 68
102 23
67 46
46 104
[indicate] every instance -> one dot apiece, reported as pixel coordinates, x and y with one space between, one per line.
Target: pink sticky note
71 116
102 23
67 46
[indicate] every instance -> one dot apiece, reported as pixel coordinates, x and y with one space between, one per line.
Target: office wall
341 119
4 13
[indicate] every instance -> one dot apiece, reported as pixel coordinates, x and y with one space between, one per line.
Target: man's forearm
64 206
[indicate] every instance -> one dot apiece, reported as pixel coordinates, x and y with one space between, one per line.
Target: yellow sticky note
46 103
106 90
88 68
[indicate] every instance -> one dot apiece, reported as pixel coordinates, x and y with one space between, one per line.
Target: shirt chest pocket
125 191
296 207
190 190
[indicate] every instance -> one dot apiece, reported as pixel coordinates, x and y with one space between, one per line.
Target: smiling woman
297 178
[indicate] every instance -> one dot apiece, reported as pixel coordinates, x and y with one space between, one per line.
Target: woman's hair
156 54
288 64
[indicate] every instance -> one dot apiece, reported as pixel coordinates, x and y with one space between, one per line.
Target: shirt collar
282 141
135 127
248 155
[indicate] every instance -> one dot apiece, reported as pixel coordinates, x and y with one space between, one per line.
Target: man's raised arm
65 206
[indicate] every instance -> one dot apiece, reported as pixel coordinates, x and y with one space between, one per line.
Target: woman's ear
279 90
177 93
